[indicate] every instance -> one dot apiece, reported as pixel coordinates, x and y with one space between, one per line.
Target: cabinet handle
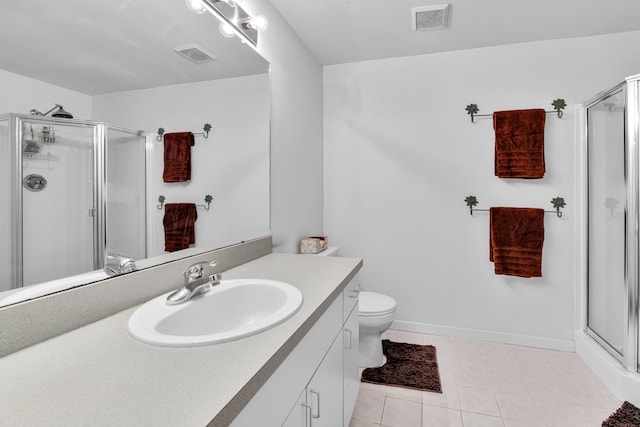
307 414
347 341
317 393
354 293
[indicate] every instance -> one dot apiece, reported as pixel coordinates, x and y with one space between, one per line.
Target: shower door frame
631 345
16 131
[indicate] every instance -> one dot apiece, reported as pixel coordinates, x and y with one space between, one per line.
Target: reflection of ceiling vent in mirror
195 53
432 17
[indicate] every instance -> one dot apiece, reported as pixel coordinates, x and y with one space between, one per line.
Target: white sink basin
232 310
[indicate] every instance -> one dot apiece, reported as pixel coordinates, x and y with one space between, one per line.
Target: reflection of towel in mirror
177 156
519 148
179 225
515 242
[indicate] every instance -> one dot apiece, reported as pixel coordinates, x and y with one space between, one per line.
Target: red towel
519 149
177 156
179 225
516 239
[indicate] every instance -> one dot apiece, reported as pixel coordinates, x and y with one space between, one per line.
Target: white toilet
376 312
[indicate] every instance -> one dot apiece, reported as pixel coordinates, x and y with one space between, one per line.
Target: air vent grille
432 17
195 53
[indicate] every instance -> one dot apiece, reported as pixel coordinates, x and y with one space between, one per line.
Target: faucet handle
195 270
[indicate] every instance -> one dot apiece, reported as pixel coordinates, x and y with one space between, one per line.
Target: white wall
296 131
232 165
401 155
21 94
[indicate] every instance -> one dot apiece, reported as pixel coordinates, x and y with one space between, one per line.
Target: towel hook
558 105
472 109
207 199
557 202
205 132
206 128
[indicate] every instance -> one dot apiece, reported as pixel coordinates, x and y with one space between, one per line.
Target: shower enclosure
612 132
72 191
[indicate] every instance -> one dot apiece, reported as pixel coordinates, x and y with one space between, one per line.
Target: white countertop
98 375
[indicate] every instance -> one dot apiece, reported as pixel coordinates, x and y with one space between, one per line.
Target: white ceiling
102 46
340 31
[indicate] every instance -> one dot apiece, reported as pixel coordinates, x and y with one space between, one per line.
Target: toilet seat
372 304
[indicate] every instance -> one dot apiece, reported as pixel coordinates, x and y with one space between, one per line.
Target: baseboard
479 334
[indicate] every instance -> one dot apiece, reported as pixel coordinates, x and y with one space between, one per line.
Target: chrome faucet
119 264
194 283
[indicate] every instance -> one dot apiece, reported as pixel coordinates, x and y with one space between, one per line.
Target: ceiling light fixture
196 6
234 20
227 30
257 22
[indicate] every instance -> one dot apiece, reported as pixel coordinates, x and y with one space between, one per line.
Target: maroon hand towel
177 156
179 225
519 148
516 239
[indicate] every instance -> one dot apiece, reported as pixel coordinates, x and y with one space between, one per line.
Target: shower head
60 112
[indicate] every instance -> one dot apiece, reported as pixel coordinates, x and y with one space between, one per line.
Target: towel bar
558 106
206 128
557 202
207 199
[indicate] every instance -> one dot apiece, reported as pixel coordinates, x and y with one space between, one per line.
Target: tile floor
490 384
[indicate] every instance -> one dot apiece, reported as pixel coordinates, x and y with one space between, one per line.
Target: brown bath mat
408 365
626 416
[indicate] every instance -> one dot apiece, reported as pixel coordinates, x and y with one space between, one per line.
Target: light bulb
226 30
259 22
196 6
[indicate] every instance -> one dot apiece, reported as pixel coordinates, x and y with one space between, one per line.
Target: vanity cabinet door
325 390
351 366
300 414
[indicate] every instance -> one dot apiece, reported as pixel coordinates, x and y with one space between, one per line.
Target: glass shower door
607 200
125 192
58 199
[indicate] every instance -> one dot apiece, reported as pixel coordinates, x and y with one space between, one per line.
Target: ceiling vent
432 17
195 53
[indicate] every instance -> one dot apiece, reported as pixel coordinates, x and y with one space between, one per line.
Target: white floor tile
472 377
369 405
478 420
517 407
560 414
447 399
507 382
434 416
360 423
478 400
401 413
486 385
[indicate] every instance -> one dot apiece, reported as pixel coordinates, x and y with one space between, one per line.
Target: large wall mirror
116 63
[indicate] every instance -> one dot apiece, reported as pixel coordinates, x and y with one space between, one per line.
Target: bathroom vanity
304 370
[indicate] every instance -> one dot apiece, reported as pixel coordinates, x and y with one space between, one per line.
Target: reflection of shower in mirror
60 112
66 213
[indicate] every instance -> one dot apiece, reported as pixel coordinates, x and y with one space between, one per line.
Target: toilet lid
374 304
